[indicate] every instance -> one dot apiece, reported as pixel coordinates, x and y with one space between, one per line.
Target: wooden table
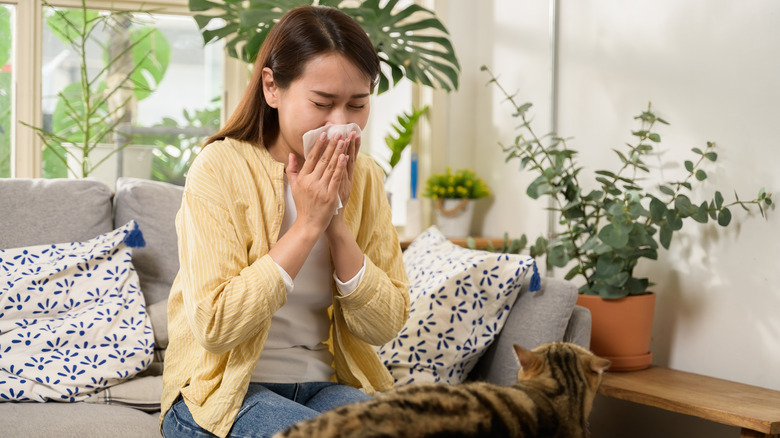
480 242
756 410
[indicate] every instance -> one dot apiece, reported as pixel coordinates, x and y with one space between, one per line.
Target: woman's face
331 91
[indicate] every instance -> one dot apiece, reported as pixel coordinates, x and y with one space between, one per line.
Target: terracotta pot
621 329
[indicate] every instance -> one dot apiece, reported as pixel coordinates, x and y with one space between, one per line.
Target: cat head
563 363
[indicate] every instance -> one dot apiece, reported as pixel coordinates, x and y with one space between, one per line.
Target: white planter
136 162
453 216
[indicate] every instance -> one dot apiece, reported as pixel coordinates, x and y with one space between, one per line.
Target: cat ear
528 360
599 365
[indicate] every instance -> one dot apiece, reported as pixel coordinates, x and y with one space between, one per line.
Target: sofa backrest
153 205
41 211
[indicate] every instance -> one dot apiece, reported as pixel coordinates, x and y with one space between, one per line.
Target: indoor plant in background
89 110
410 41
454 194
613 218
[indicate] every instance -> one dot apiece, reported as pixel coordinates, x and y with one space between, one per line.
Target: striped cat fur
552 398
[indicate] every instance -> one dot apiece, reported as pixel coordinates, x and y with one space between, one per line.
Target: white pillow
460 299
72 318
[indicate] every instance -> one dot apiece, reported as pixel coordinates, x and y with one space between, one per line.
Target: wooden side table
480 242
755 410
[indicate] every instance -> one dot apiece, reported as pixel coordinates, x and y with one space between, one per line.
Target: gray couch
37 211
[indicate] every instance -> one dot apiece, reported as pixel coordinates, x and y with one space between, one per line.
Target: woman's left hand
352 149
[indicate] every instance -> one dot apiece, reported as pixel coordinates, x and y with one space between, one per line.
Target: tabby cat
552 398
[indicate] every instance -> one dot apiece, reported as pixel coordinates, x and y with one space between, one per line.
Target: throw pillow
72 318
460 299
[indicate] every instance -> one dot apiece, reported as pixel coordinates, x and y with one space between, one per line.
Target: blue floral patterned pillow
460 299
72 318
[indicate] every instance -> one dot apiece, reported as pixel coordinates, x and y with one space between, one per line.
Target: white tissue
309 138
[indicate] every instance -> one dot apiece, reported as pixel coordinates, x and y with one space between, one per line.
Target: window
164 128
6 70
172 97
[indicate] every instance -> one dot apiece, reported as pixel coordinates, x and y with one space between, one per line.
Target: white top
295 350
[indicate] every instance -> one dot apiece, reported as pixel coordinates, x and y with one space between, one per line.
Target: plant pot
453 216
621 329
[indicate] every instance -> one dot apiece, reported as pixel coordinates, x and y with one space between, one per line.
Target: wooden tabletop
480 242
722 401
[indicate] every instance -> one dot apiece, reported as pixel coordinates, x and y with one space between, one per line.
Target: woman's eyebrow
333 96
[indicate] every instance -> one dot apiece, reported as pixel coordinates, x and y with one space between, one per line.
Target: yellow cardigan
228 287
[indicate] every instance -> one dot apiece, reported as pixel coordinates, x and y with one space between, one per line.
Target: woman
278 302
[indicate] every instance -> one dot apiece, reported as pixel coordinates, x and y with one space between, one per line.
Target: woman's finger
338 174
330 155
310 159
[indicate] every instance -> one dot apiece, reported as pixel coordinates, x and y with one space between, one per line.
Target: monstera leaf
410 41
151 55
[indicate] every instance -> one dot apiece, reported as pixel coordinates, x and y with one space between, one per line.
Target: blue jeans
267 408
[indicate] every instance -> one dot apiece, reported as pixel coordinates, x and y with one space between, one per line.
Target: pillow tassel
536 280
134 238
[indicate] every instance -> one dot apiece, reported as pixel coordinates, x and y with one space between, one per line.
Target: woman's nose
338 117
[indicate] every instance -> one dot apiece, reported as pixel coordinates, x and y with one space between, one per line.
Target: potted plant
399 138
410 41
454 194
89 110
612 219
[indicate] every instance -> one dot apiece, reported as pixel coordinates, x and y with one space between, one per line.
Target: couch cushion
39 211
75 420
536 318
460 300
72 318
153 205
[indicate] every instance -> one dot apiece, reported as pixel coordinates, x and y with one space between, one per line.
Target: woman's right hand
315 186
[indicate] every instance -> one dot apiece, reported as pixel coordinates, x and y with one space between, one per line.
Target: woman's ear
270 90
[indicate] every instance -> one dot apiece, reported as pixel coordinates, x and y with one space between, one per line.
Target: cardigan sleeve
377 310
227 298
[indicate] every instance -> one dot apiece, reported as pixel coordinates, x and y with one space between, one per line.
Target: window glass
6 72
150 81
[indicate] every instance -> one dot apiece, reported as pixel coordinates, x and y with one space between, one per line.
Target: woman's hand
353 147
316 186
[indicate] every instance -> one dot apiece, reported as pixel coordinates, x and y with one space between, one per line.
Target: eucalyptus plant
89 110
608 229
410 41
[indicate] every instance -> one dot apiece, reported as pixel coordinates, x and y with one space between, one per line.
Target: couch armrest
578 330
536 318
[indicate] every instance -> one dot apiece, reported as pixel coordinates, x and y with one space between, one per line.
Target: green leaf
5 36
712 156
684 207
666 190
657 210
68 24
557 256
689 165
614 235
403 130
701 214
654 137
151 55
724 217
718 200
701 175
573 272
665 235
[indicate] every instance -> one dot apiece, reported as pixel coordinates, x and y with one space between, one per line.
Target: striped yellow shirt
228 287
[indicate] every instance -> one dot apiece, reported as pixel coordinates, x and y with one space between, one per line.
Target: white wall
711 68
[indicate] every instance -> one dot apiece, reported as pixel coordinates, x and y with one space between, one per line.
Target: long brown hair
302 33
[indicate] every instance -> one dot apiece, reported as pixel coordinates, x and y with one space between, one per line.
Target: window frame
26 147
